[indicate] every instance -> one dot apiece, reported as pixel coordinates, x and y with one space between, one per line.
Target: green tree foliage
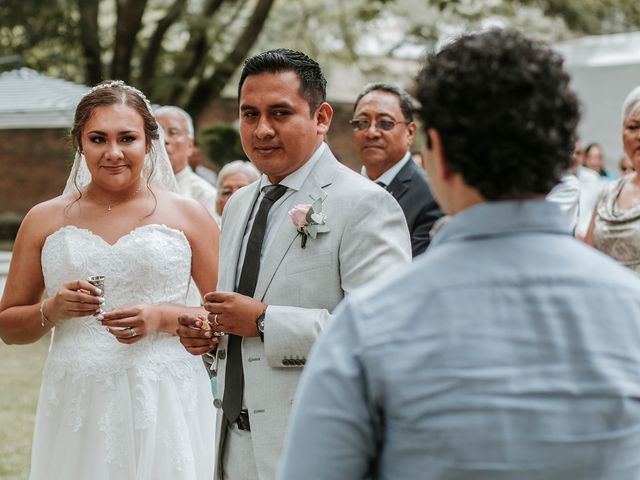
222 143
184 52
177 51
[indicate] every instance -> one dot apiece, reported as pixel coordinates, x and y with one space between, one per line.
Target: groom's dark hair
313 85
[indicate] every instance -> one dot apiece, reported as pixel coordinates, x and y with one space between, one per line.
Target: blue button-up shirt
508 351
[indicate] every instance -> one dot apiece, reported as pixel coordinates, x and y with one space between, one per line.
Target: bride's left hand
132 323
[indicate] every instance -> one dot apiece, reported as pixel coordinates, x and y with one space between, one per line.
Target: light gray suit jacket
368 238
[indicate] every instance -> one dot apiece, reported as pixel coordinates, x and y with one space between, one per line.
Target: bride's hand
131 324
77 298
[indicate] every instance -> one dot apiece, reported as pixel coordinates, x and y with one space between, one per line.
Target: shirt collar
489 219
294 180
388 176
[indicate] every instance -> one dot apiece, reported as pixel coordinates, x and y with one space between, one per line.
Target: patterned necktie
234 378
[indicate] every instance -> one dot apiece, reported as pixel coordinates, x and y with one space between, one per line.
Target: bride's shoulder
175 202
48 216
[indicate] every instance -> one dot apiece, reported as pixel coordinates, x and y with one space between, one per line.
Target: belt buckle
243 421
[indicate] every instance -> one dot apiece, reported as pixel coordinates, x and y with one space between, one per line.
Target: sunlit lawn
20 374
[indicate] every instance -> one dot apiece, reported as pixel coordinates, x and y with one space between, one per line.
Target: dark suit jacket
411 190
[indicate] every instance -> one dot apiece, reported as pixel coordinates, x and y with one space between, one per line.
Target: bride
120 397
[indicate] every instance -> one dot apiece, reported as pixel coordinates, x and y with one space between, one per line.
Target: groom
279 281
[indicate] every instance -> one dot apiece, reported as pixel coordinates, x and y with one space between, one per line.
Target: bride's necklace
111 205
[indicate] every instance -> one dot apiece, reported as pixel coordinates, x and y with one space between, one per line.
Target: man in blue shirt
509 350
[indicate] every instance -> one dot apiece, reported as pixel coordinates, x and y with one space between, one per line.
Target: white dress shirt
195 187
388 176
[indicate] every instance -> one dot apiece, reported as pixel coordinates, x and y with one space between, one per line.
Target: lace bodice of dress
152 264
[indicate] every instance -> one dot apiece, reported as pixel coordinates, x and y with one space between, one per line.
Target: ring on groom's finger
133 332
215 320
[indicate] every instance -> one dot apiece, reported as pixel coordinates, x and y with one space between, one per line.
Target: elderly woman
615 226
233 176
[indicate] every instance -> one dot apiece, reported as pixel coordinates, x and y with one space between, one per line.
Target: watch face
261 324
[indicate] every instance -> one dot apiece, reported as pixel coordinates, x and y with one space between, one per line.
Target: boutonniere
309 220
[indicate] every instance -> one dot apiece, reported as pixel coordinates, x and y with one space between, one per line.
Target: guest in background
383 131
508 350
615 226
566 193
233 176
594 159
590 187
178 137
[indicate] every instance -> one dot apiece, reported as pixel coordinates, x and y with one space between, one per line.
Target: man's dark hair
404 99
502 105
313 86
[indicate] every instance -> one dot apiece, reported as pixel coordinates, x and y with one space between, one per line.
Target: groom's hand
196 340
231 312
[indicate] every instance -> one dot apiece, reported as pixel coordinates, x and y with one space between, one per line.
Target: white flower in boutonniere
309 220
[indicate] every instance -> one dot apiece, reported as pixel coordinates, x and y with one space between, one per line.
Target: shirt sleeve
331 432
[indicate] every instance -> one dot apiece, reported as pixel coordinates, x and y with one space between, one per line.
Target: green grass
20 376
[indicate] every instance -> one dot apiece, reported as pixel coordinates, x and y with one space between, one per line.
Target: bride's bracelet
43 317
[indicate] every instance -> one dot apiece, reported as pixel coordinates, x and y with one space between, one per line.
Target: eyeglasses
360 125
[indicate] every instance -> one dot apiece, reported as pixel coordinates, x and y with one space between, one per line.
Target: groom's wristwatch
260 325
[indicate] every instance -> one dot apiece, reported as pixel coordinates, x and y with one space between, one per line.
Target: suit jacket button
222 354
217 403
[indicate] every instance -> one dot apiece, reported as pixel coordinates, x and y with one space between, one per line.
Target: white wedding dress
114 411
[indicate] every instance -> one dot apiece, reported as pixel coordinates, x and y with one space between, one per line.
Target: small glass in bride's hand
98 281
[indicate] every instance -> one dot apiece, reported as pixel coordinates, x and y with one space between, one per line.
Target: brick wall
34 166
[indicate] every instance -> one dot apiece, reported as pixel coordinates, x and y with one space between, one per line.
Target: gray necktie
234 378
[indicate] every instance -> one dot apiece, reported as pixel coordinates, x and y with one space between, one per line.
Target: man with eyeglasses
178 139
383 130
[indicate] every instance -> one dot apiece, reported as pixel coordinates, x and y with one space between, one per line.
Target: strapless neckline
122 238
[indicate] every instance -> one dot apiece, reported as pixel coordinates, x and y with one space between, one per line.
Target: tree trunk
153 49
91 50
209 88
128 23
198 47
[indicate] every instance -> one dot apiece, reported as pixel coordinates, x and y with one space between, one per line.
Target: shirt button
217 403
222 354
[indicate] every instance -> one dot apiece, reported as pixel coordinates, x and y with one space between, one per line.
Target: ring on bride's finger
133 332
215 319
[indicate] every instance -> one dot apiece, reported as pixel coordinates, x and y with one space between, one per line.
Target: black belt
243 420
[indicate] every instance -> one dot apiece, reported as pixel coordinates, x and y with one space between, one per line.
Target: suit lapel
400 184
312 189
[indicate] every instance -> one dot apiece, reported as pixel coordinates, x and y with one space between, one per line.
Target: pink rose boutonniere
309 220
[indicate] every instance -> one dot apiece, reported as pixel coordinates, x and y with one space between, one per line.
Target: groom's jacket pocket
317 261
